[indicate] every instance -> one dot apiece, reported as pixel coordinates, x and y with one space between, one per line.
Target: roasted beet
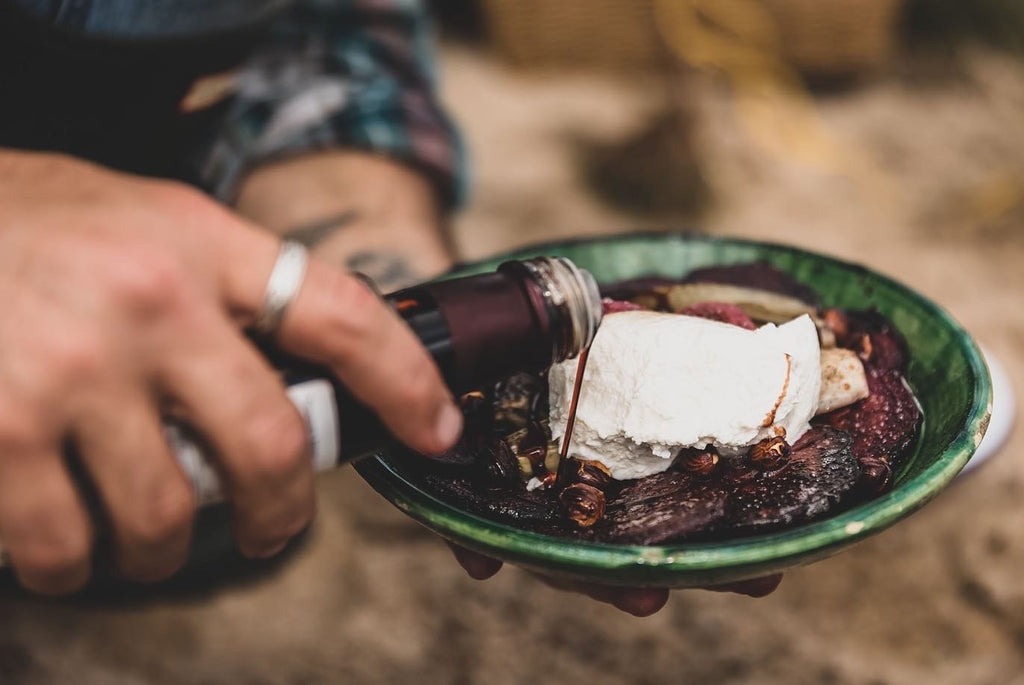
662 508
724 312
737 500
721 311
883 424
820 471
677 505
611 306
537 511
873 338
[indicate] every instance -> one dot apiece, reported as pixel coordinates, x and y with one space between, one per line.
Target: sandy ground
936 199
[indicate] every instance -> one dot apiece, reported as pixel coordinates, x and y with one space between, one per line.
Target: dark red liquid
570 422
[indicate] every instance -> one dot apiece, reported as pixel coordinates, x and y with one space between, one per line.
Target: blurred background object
818 37
944 24
766 49
618 34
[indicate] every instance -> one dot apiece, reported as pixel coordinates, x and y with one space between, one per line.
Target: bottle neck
570 297
525 317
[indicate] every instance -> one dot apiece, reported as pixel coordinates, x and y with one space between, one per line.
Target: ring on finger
283 285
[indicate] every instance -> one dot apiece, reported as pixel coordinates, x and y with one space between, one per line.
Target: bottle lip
573 300
585 303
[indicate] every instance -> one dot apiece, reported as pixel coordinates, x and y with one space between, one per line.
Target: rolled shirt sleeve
341 73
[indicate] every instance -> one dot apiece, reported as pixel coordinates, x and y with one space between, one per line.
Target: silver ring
282 287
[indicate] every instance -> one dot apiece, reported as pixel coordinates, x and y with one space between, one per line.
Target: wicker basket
836 37
820 37
576 33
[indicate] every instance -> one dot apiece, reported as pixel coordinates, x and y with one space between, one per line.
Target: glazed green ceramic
947 373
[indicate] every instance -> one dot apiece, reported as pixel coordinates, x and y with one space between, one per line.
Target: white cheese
656 383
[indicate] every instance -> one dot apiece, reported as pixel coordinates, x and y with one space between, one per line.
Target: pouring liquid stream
570 421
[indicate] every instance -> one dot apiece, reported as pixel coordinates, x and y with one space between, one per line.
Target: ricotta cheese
656 383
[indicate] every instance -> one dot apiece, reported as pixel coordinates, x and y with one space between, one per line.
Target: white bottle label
315 402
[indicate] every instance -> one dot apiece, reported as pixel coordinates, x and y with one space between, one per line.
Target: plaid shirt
355 73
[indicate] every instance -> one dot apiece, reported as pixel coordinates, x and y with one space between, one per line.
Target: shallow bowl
947 373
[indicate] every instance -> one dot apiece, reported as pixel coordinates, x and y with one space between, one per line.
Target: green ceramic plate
946 371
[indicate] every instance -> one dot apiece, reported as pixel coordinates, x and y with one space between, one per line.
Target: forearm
359 211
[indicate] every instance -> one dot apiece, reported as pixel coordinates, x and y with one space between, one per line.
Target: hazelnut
769 454
592 473
533 446
700 463
875 473
502 467
583 504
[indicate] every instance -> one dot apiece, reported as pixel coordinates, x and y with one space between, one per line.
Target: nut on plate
587 472
875 473
769 454
498 464
701 463
583 504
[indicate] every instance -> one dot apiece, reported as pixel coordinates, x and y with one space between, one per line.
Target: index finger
337 321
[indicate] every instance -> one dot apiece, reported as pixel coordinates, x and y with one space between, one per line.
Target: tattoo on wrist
314 233
387 270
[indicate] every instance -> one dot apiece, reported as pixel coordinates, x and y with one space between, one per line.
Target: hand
124 301
636 601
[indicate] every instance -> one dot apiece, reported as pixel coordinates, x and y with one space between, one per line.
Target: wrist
357 211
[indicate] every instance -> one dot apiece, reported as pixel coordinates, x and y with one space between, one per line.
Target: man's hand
124 301
638 601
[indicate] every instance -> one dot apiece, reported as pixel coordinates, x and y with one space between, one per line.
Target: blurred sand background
936 199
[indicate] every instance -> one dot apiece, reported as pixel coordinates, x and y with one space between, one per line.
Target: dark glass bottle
526 316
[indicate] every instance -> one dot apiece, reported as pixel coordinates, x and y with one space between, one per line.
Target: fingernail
449 426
